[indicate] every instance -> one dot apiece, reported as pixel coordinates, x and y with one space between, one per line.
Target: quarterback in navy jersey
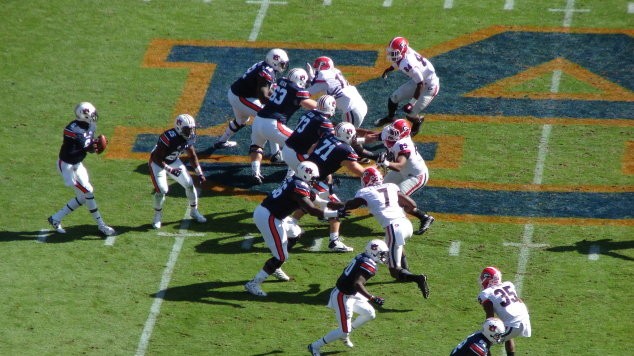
272 219
248 94
350 295
480 342
78 140
269 124
165 160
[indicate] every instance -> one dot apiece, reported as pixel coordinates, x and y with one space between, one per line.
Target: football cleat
254 288
425 223
384 121
57 225
225 144
277 158
421 280
158 215
257 178
313 350
347 342
194 214
281 275
106 230
338 246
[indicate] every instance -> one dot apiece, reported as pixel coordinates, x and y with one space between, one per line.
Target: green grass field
532 174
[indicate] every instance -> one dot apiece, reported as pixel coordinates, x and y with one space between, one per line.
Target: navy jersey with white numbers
247 85
361 264
78 135
311 126
280 202
284 101
475 344
329 153
175 143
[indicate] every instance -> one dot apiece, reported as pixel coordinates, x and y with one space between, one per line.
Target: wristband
330 213
361 140
198 170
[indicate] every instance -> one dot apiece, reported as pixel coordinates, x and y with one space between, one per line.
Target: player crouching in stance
272 217
164 161
480 342
388 205
78 140
350 295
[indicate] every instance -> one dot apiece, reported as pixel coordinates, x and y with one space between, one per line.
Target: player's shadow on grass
85 232
606 247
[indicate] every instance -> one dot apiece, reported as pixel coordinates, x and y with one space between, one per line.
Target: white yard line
448 4
264 7
569 12
387 3
595 251
165 280
327 2
317 244
110 240
454 248
248 242
43 235
509 4
630 8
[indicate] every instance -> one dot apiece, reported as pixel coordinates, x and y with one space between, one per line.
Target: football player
350 296
78 141
500 299
479 343
312 125
165 161
421 87
388 205
406 167
279 233
248 94
270 122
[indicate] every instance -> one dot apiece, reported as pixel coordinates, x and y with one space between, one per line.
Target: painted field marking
180 234
110 240
568 12
327 2
448 4
248 242
165 280
454 248
630 8
43 235
509 4
387 3
594 252
317 244
264 6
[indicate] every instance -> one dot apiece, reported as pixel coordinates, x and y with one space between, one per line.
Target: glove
382 156
408 108
201 179
341 213
310 71
383 164
384 75
377 300
175 171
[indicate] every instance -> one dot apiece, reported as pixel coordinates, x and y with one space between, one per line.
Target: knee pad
256 149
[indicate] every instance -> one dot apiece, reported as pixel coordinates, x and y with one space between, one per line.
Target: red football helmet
402 127
323 63
371 176
397 48
490 276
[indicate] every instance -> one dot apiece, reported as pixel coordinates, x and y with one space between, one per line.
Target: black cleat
425 223
257 179
422 285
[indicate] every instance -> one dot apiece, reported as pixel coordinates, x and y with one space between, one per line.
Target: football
101 142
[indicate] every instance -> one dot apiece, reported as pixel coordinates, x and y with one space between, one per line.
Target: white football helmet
397 48
185 125
298 76
326 104
490 276
377 250
371 176
86 112
278 59
323 63
493 328
345 131
307 171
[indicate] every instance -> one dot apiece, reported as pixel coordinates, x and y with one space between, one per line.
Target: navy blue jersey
361 264
284 101
475 344
247 84
175 143
329 153
78 135
311 127
280 202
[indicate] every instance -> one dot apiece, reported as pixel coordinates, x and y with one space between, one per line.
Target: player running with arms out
165 161
270 122
479 343
279 232
421 88
248 94
78 141
350 295
388 205
500 299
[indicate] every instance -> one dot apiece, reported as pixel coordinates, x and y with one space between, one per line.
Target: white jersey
418 69
332 82
382 201
506 303
415 164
